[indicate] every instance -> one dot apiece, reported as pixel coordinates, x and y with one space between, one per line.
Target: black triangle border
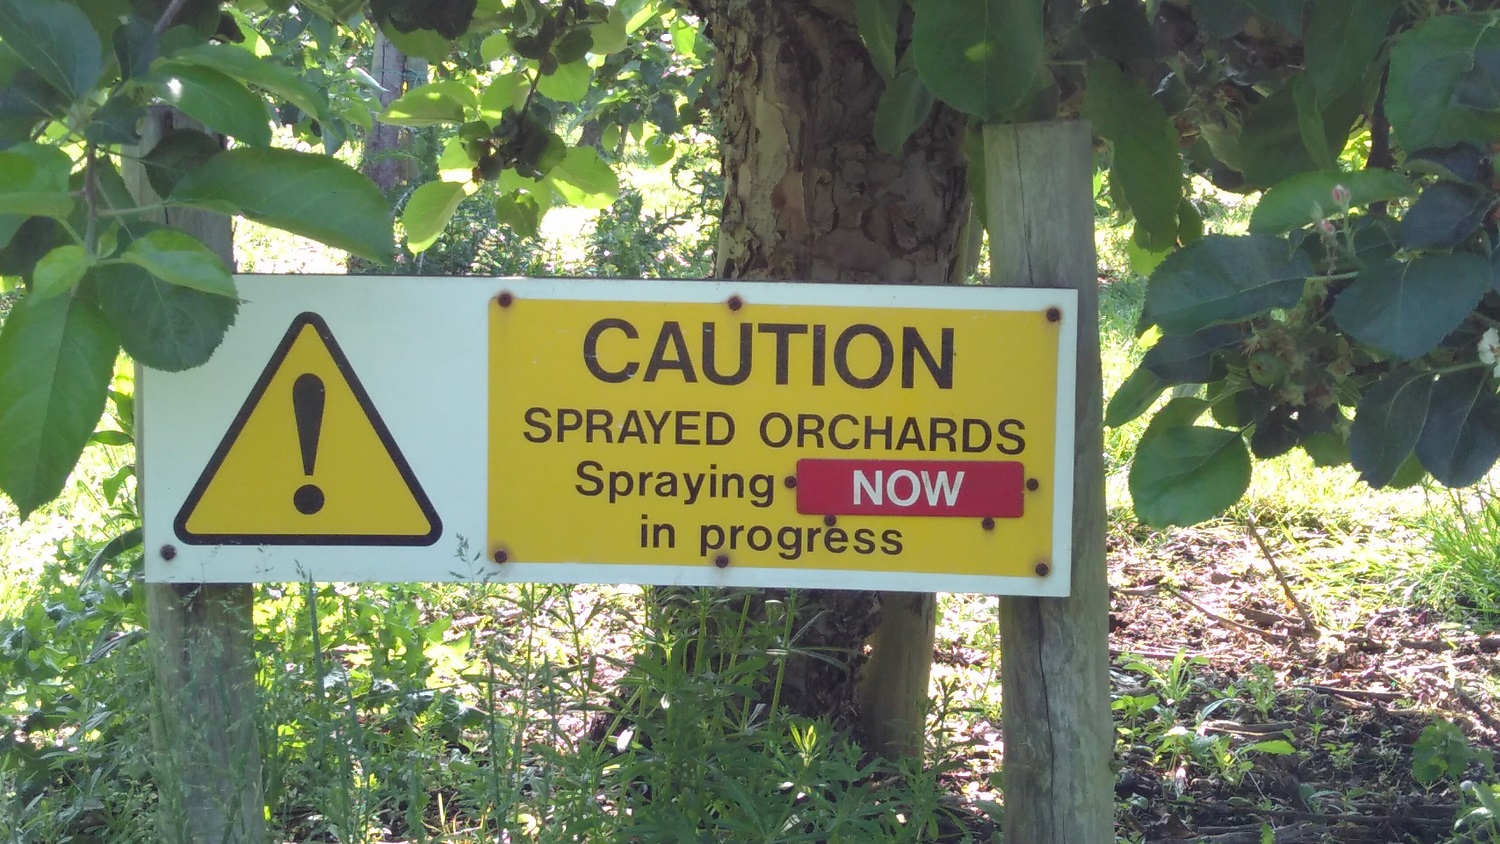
215 462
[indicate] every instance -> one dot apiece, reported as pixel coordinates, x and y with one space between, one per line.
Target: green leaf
1140 390
179 152
1143 261
29 204
1273 144
110 438
1441 749
239 63
584 179
1343 39
1326 449
1118 30
1308 197
495 47
506 92
56 358
1284 13
176 257
1145 166
1406 309
1186 475
163 326
312 195
115 122
428 211
1223 278
568 84
423 43
904 106
1461 438
1445 215
609 35
433 104
877 28
1178 413
1311 126
59 270
1387 423
1428 63
520 212
979 56
56 40
215 100
1275 747
1462 162
34 182
135 46
1192 358
1238 407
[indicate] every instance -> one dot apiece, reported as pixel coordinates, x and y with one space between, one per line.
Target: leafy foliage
1352 283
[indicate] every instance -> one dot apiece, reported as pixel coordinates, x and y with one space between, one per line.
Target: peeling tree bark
810 197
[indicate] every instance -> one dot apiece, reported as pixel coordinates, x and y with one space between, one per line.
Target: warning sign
715 433
308 461
919 440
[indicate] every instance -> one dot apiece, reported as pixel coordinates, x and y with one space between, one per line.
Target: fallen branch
1308 626
1478 708
1157 653
1357 694
1270 635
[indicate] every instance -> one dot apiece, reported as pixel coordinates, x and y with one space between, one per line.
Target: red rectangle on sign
911 488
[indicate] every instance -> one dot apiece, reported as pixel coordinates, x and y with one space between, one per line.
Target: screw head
1033 484
1043 568
1054 314
790 482
735 303
722 561
987 523
500 556
830 521
505 299
168 552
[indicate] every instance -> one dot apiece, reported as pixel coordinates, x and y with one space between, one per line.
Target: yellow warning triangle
308 461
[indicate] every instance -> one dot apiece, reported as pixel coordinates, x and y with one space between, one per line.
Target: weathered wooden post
1059 736
208 766
893 691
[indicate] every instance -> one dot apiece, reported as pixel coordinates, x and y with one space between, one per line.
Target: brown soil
1352 696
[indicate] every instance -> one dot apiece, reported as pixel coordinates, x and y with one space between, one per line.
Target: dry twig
1308 626
1476 707
1270 635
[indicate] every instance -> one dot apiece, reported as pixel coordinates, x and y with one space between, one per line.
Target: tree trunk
202 637
810 197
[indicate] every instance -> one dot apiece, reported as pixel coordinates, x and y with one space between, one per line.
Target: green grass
1461 573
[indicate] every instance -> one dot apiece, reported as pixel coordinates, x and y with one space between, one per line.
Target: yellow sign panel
840 438
308 461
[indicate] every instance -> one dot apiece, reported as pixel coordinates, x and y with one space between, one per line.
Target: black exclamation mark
307 403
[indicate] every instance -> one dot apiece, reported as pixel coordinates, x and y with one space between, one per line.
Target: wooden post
208 767
893 686
1059 737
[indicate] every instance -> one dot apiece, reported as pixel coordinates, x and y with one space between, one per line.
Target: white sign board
686 432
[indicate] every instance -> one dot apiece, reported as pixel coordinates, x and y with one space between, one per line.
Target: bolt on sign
682 432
